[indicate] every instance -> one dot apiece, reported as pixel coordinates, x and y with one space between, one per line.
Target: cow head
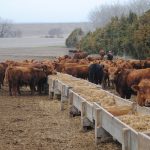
143 92
112 71
48 69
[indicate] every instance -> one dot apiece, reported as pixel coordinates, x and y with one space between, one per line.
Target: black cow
96 73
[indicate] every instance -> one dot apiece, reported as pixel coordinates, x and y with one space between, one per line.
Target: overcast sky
49 10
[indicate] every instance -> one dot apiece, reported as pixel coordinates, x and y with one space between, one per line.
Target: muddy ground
36 123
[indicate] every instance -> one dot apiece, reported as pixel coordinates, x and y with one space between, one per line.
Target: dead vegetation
34 122
138 122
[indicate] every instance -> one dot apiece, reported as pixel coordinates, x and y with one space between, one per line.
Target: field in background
38 53
41 29
30 42
33 44
31 48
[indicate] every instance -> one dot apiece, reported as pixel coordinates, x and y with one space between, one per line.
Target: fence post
63 98
126 139
100 133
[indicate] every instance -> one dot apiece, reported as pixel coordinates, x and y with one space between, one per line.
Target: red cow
143 92
125 78
102 53
17 76
80 55
79 71
3 67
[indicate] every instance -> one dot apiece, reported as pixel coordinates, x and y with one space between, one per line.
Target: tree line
128 35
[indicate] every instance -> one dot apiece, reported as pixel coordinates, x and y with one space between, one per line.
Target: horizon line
49 22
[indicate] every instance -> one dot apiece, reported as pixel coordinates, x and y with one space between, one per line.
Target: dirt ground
36 123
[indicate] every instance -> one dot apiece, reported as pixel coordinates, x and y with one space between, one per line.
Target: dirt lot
36 123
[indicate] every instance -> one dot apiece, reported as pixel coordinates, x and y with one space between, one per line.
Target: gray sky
48 10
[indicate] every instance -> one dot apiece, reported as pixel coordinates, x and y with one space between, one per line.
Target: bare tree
101 15
55 32
6 29
139 6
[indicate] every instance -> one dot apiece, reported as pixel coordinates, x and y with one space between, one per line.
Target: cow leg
112 82
95 80
10 89
18 90
122 94
108 82
39 88
0 86
14 89
42 87
128 93
103 84
32 87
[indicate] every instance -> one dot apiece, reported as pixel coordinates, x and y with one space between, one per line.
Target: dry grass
138 122
35 123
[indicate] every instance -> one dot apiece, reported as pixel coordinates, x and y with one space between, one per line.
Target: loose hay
119 110
70 80
95 95
87 90
138 122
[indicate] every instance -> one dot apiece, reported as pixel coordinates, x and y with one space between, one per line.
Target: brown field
36 123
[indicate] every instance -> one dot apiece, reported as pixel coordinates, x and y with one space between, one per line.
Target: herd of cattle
126 76
26 73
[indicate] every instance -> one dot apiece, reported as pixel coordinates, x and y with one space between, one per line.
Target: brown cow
102 53
79 71
3 67
2 74
17 76
147 64
143 92
125 78
137 64
60 66
80 55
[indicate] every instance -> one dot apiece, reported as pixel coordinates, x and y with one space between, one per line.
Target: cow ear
135 88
